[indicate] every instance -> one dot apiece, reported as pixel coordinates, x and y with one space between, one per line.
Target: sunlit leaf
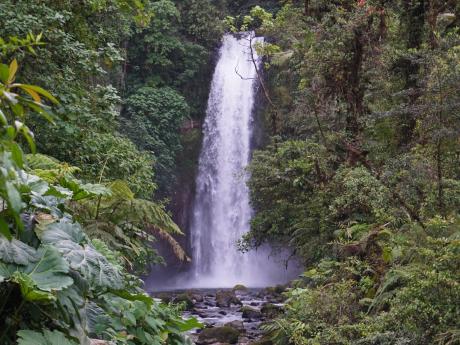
12 71
3 119
41 91
29 289
17 155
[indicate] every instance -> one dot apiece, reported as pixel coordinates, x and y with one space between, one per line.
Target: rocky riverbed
230 316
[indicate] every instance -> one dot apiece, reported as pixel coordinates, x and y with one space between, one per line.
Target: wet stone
251 313
215 335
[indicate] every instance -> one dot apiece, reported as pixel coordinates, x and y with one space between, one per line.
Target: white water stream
221 211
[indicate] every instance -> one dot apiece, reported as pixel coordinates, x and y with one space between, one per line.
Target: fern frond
176 247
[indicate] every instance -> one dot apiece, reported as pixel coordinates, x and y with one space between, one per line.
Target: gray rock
186 299
215 335
251 313
197 298
225 298
236 324
270 310
240 288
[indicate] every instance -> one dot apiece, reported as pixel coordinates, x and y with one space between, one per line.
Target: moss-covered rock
270 311
165 297
225 298
214 335
197 298
236 324
263 341
186 299
240 288
251 313
273 293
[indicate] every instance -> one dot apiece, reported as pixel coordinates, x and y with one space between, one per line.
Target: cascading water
221 211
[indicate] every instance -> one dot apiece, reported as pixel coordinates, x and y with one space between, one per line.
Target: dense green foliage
360 178
98 55
52 274
73 224
168 75
153 119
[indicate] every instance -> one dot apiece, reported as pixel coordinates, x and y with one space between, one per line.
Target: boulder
185 299
225 298
197 298
200 312
224 334
251 314
240 288
273 293
262 341
209 303
165 297
236 324
270 311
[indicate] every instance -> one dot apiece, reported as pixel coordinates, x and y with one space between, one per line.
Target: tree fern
128 224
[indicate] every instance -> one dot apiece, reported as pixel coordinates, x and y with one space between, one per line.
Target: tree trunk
415 22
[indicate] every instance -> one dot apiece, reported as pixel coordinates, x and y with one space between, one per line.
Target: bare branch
239 75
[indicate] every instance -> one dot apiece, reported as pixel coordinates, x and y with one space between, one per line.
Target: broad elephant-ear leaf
50 272
69 239
16 252
29 290
72 305
82 191
26 337
62 231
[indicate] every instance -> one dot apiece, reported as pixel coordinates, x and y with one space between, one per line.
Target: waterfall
221 210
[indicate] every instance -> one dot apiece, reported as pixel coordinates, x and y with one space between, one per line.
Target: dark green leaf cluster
57 284
360 178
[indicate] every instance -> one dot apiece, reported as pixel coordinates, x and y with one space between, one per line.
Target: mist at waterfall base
221 209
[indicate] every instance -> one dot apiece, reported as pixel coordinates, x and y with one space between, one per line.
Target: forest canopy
360 174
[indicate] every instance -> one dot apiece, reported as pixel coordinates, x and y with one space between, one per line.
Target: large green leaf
6 271
50 272
63 231
26 337
186 325
14 198
134 296
72 305
82 257
83 191
29 290
16 252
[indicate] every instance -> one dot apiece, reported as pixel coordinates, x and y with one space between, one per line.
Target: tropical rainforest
357 173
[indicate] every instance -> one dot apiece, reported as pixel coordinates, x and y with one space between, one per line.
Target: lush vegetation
77 220
360 177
